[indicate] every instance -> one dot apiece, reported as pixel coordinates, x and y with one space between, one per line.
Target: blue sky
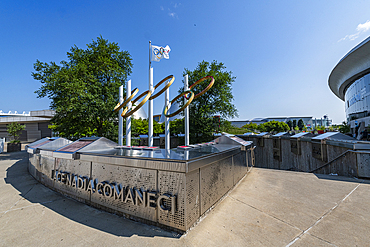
281 52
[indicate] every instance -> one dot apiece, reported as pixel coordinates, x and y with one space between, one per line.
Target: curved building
350 81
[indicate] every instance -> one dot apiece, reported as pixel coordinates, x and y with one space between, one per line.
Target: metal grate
80 168
239 166
192 205
174 184
138 178
216 180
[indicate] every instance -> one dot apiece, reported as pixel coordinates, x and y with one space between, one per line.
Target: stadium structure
350 81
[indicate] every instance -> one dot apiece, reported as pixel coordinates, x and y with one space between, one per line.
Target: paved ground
268 208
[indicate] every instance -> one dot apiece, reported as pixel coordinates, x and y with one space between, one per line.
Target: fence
338 157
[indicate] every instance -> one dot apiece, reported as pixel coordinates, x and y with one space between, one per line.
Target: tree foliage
226 126
274 126
300 124
344 128
14 129
320 127
290 124
294 123
177 126
141 126
251 126
84 89
216 101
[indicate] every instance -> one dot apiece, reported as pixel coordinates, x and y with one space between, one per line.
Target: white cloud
170 12
361 28
176 5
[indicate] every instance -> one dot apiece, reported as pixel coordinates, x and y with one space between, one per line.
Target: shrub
14 129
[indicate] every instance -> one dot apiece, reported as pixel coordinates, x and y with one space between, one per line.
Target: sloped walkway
268 208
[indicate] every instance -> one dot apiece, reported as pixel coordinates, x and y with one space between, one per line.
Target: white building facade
350 81
36 124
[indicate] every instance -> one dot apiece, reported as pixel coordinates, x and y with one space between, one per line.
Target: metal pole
128 119
150 110
186 154
120 119
150 105
186 87
150 53
167 121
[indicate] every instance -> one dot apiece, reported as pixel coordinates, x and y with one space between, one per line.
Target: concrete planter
13 147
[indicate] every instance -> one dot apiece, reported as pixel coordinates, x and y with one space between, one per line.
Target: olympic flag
159 52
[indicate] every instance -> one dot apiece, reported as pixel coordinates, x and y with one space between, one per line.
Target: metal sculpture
127 112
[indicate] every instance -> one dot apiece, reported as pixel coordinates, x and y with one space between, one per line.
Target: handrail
343 154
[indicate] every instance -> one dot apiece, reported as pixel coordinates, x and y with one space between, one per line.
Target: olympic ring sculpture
204 90
164 88
119 106
183 107
148 96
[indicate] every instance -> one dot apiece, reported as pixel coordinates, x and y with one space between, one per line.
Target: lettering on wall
134 196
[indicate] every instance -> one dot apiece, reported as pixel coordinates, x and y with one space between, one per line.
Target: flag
158 52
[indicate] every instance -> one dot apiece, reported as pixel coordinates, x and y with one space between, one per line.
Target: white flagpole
150 110
167 121
186 87
120 119
128 119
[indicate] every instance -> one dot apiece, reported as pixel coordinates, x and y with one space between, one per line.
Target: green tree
300 124
84 89
158 128
344 128
216 101
177 126
225 126
14 129
251 126
274 126
290 124
294 123
217 123
139 126
320 127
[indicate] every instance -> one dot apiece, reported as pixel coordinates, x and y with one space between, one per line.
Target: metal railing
338 157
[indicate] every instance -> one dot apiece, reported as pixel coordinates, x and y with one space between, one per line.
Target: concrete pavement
268 208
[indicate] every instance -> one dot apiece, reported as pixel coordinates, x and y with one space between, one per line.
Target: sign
134 196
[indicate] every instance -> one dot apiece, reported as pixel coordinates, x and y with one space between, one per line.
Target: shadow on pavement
17 175
13 156
334 177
